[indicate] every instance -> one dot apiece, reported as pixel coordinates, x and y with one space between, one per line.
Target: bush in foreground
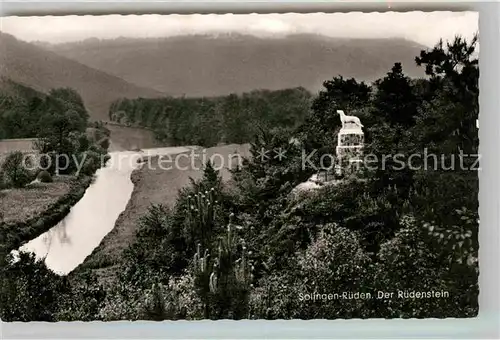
44 177
14 172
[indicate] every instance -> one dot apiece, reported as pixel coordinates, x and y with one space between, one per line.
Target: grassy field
152 186
9 145
29 212
18 205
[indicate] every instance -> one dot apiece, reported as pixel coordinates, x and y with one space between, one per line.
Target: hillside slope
9 88
231 63
42 70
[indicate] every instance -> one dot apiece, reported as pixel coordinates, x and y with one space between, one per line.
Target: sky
424 28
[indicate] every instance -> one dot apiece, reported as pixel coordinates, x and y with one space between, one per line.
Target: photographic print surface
249 166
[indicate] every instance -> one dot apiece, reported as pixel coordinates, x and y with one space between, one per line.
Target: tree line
209 121
60 124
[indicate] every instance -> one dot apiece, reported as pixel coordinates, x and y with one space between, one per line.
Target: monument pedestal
349 152
350 143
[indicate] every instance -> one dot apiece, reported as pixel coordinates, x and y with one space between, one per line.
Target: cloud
271 25
422 27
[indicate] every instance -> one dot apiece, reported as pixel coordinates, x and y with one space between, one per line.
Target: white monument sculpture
350 142
350 139
348 119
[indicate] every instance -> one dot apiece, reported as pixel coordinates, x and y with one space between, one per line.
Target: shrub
45 177
16 174
122 302
3 180
422 261
334 260
81 299
92 163
28 290
104 143
276 297
89 167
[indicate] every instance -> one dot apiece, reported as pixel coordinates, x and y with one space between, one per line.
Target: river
67 244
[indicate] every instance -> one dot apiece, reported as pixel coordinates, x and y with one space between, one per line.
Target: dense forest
59 121
252 249
27 113
16 120
208 121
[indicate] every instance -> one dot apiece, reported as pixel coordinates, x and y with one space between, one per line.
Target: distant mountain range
198 65
37 68
208 65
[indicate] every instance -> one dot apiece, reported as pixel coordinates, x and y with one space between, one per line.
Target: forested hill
209 121
16 120
9 88
42 70
204 65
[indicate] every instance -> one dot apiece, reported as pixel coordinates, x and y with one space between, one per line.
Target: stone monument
350 141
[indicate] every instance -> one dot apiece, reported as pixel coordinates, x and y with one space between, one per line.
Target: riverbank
152 185
31 211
